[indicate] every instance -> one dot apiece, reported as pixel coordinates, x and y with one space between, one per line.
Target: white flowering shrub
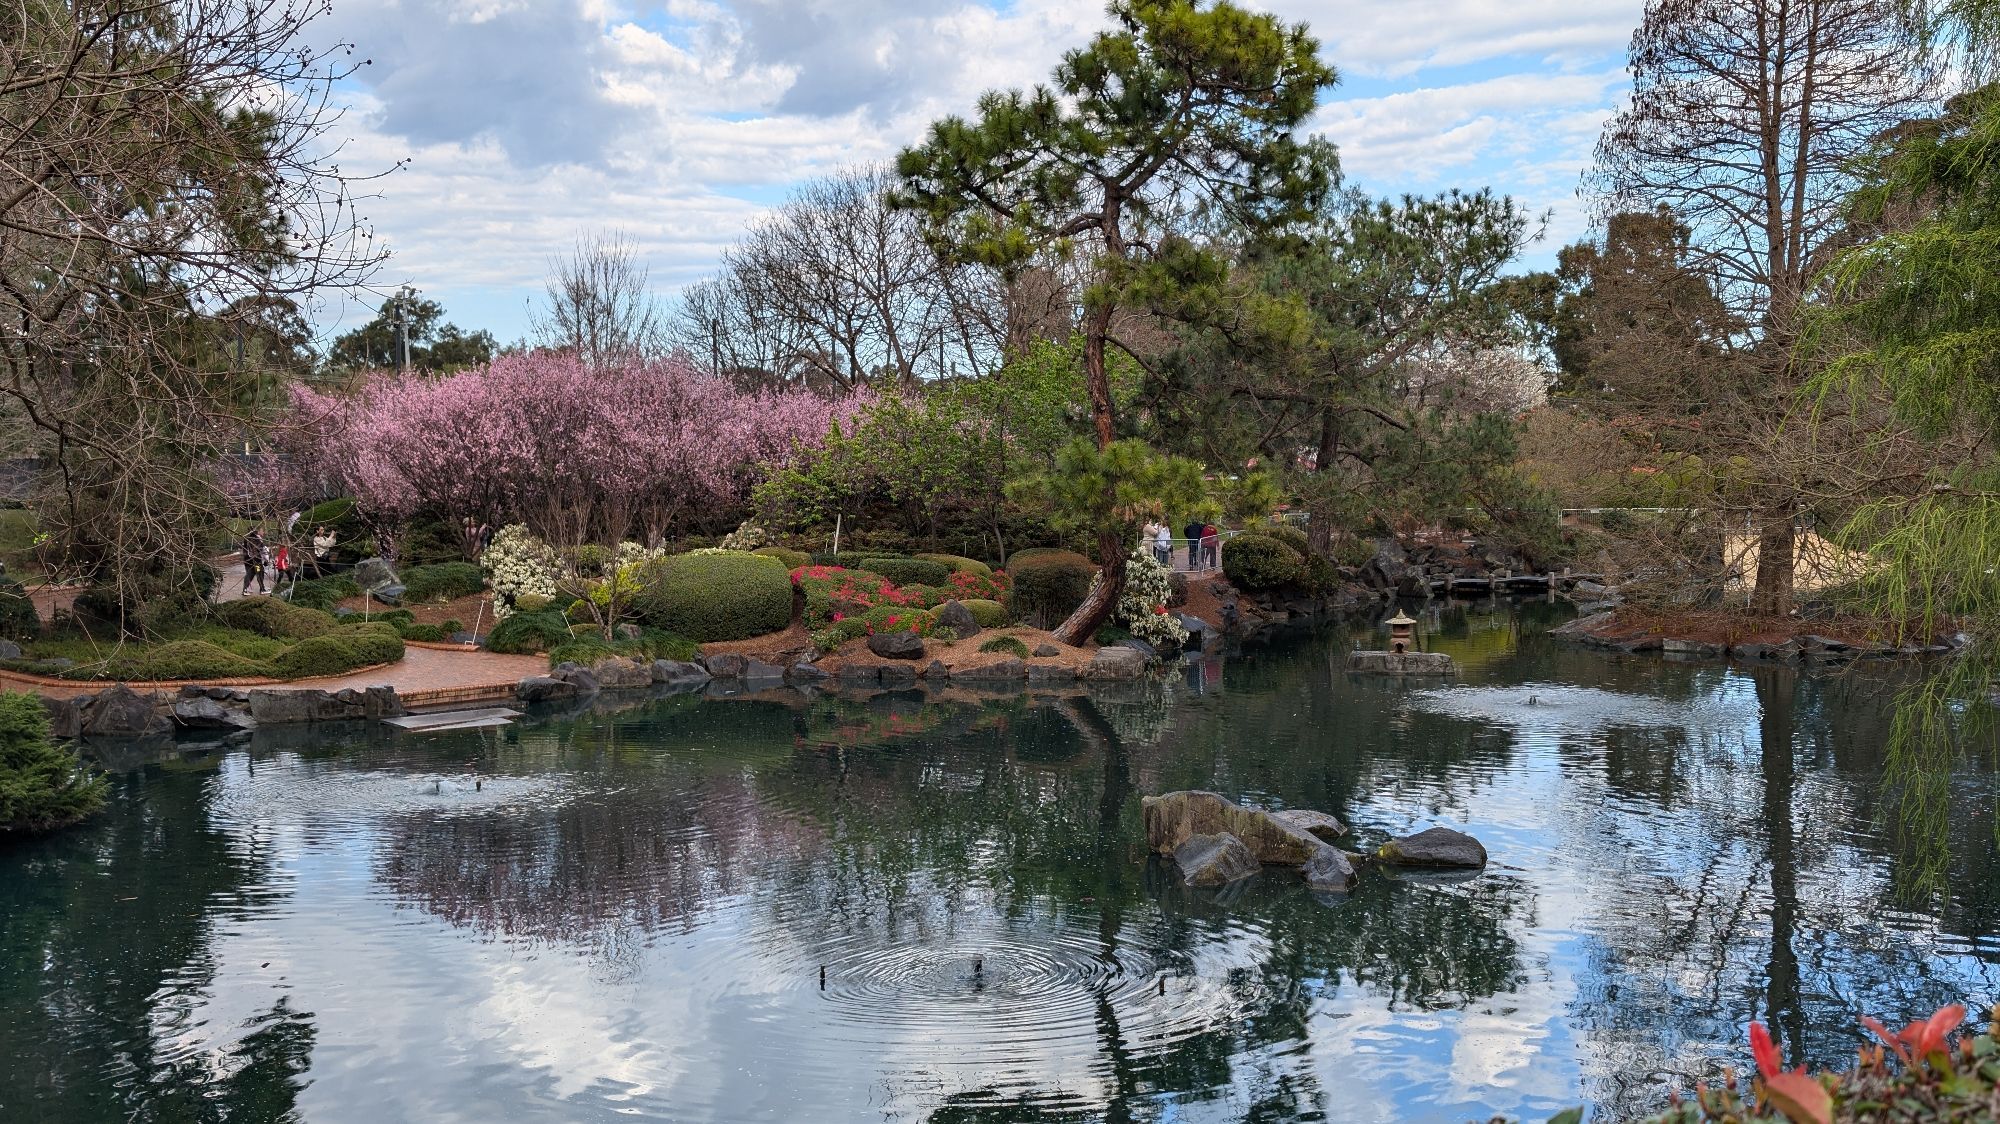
1142 606
518 564
747 536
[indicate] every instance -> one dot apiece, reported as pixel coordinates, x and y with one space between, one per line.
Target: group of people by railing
1197 548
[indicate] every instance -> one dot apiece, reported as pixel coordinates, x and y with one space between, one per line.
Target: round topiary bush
716 596
1260 562
1048 584
269 616
907 571
526 633
958 564
987 614
1288 533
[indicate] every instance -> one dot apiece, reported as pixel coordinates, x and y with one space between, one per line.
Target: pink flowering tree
580 455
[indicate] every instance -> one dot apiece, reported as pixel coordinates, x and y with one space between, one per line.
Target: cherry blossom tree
580 454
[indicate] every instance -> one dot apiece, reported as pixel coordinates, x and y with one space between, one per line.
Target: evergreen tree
1181 109
42 786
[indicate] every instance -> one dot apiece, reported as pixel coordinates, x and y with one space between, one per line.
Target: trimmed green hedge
1259 562
792 559
958 563
906 571
987 614
1285 533
446 581
1048 584
269 616
715 597
526 633
341 650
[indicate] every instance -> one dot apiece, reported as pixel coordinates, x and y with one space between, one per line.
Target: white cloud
528 122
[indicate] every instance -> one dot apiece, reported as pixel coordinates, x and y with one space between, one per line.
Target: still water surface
629 913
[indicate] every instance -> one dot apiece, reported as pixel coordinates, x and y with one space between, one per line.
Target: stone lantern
1402 637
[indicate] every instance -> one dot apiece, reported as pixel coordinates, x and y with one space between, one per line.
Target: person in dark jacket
1192 532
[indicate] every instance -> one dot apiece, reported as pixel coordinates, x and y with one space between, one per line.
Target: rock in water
1317 824
1437 846
1175 817
1329 870
897 645
1214 860
618 673
541 688
726 666
1116 663
954 618
678 672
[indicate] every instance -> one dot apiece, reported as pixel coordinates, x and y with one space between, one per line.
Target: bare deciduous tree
836 287
163 179
1747 119
599 304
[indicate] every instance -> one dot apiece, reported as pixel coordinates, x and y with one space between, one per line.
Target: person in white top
1163 544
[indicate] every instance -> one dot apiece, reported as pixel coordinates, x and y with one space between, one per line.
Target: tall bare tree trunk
1776 556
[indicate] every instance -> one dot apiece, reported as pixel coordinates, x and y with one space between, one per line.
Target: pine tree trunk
1083 624
1776 555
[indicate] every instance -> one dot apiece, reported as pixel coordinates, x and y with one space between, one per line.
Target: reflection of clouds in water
290 791
1556 708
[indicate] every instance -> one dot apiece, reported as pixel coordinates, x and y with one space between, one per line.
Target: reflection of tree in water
98 928
1787 915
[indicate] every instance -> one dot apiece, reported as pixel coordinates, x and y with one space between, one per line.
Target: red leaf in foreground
1769 1061
1800 1098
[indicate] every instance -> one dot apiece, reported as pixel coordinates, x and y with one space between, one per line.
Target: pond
939 907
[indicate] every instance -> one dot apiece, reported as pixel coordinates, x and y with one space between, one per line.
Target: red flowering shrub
831 590
973 586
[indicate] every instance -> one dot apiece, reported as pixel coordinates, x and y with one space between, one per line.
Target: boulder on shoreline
897 645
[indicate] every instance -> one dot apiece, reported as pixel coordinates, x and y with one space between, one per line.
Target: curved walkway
424 676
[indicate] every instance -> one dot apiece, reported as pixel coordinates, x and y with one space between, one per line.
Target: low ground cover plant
251 638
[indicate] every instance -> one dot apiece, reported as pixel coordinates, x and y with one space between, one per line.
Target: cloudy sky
526 123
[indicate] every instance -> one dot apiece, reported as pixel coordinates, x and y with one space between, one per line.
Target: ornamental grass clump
42 785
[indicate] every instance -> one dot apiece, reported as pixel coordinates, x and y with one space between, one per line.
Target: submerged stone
1175 817
1214 860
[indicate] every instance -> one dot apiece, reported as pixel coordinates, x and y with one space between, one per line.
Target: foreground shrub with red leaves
1925 1072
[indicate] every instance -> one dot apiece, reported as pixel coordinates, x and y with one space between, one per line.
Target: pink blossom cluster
579 454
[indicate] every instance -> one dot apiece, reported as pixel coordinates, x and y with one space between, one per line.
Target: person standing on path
281 567
322 549
1163 545
1211 546
1193 533
255 557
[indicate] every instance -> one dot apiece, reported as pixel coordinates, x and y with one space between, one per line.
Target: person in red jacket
1211 546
